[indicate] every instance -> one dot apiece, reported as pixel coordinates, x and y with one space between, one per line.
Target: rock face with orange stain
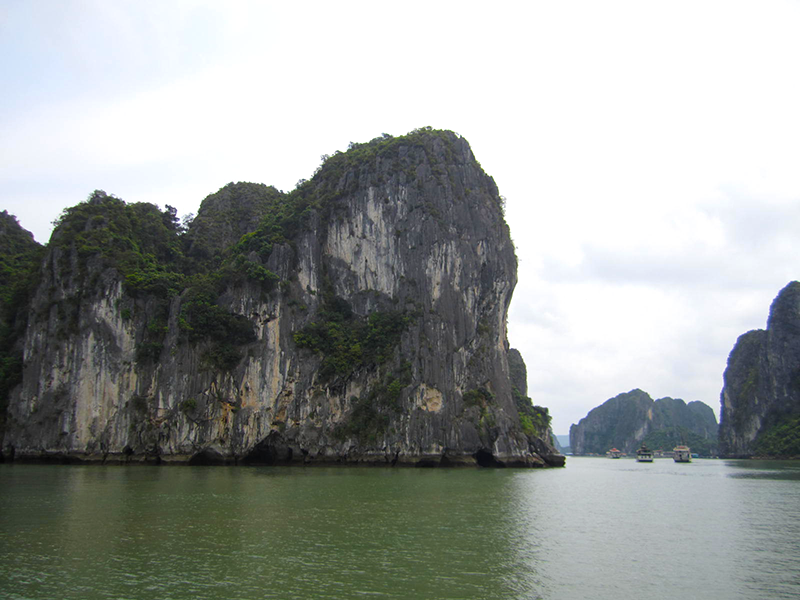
359 318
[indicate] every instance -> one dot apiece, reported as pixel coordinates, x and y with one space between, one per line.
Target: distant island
760 401
632 418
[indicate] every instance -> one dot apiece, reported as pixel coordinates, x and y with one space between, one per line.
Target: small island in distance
760 403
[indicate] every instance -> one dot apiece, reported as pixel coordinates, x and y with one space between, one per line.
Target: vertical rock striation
359 318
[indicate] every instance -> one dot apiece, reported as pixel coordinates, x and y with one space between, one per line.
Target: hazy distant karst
629 419
359 318
760 400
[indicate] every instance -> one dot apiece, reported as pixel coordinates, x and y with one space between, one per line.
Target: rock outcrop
518 372
760 399
628 419
535 419
359 318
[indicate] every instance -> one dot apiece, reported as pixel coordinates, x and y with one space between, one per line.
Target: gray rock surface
762 380
407 226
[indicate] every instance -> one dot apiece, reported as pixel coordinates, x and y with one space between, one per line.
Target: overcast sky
649 151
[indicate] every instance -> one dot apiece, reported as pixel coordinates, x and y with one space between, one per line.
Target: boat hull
681 454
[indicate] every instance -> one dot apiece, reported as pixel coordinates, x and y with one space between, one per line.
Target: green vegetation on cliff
370 414
761 393
535 420
666 439
20 256
347 342
147 247
285 216
338 175
139 240
233 211
625 420
781 440
203 320
174 309
229 243
343 172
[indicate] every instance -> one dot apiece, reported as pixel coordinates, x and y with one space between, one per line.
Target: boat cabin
681 454
644 454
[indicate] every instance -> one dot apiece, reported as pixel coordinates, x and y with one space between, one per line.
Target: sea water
597 529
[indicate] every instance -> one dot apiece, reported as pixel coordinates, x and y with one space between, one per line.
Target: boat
614 453
681 454
644 454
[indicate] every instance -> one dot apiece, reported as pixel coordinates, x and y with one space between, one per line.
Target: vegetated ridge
629 419
360 318
19 259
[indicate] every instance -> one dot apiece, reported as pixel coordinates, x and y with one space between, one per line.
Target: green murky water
599 529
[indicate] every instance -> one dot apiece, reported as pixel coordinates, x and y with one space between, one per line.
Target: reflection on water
764 469
597 529
660 530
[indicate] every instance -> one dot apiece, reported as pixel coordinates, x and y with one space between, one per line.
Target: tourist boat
681 454
644 454
614 453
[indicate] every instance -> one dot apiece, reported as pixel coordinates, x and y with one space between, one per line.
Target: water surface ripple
599 529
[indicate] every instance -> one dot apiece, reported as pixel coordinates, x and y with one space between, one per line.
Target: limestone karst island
360 318
759 402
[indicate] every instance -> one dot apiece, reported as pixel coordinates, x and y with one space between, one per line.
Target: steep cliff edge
760 399
629 419
535 420
359 318
19 257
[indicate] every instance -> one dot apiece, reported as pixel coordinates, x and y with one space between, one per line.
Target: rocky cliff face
535 419
628 419
761 391
360 318
518 372
18 252
19 255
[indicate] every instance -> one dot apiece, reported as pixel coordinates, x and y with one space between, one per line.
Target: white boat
614 453
644 454
681 454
